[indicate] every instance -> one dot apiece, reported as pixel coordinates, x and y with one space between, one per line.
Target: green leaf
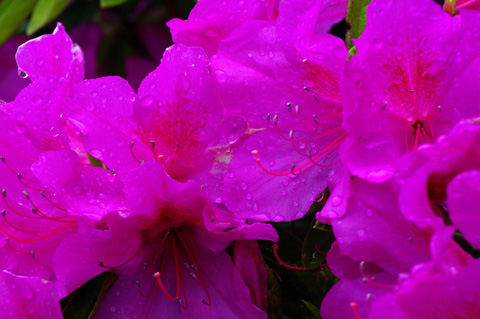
111 3
44 12
313 309
81 303
356 19
12 14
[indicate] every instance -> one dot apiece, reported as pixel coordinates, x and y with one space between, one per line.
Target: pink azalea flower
440 179
355 293
294 135
446 287
178 121
169 249
373 229
211 21
35 216
28 297
405 87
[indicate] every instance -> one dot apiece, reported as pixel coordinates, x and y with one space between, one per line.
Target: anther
275 119
290 134
152 143
439 108
297 108
19 176
306 88
315 118
34 210
2 158
410 239
178 144
384 106
412 91
137 283
3 212
4 193
268 117
289 107
354 306
100 264
43 194
25 194
315 97
32 254
131 143
292 169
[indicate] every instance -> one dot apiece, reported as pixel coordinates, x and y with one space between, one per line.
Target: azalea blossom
290 150
405 88
174 264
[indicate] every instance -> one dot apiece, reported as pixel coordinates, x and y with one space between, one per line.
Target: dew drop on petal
332 214
147 100
220 76
361 235
20 116
22 74
336 201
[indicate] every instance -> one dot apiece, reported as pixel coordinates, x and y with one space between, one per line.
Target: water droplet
20 116
285 182
89 105
255 207
336 201
244 186
220 76
295 204
361 235
113 309
249 196
331 214
37 100
22 74
20 129
147 100
369 212
103 99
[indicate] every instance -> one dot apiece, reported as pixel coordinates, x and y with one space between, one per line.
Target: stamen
281 262
354 306
370 281
255 259
158 276
40 237
133 154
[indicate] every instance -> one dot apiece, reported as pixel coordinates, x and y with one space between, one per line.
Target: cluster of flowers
251 114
